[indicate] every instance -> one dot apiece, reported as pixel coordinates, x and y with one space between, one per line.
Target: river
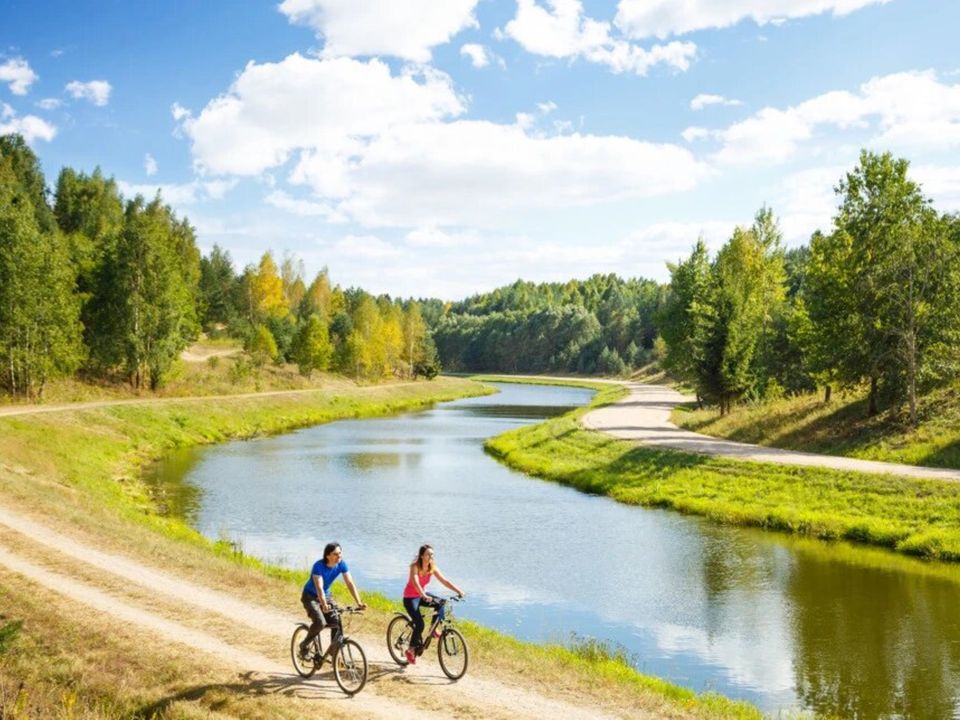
785 623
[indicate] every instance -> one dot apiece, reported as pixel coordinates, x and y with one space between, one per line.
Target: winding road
644 417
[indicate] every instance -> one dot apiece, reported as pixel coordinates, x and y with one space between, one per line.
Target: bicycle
349 661
451 647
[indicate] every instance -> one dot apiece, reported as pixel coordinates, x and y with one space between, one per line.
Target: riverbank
842 427
912 516
78 473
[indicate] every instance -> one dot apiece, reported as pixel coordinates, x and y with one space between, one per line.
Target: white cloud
96 91
663 18
16 72
434 238
48 104
406 29
149 165
807 202
477 54
704 99
562 31
29 126
320 107
674 240
907 111
941 183
466 173
694 133
179 112
303 208
367 247
178 195
547 107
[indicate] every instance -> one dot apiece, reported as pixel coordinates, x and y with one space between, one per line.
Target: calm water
781 622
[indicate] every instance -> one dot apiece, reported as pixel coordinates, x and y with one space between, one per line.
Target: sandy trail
472 696
644 417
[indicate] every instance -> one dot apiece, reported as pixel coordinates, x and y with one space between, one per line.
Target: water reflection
783 622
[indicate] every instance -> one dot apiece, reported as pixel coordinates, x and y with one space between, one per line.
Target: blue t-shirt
329 574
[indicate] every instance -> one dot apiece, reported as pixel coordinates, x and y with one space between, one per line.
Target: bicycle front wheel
350 667
454 656
305 668
399 632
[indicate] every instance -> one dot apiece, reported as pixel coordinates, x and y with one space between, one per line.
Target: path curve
476 696
644 417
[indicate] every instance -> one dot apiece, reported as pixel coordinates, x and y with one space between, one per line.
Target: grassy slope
920 517
843 428
80 471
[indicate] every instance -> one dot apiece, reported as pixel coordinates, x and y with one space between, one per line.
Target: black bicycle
349 662
451 645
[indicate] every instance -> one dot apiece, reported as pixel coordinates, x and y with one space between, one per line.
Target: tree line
603 324
874 302
109 288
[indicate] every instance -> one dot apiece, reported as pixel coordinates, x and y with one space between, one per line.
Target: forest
114 289
107 288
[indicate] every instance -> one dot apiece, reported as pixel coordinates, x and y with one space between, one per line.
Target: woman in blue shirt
317 601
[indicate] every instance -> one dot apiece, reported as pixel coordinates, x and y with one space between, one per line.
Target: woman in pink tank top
415 596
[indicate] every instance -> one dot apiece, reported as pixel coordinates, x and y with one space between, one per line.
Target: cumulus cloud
321 107
942 183
562 31
48 104
477 54
18 75
178 195
406 29
704 99
29 126
303 208
907 111
475 172
388 150
149 165
807 202
663 18
95 91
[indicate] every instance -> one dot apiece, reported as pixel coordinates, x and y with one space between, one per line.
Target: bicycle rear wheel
350 667
399 632
305 668
453 653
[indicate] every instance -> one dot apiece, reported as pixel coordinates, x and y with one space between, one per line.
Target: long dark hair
329 549
423 549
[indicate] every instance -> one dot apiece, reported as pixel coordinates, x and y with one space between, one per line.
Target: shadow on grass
321 686
947 457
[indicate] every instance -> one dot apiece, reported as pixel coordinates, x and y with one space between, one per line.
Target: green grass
912 516
842 427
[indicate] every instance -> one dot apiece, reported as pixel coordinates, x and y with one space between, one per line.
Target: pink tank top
410 591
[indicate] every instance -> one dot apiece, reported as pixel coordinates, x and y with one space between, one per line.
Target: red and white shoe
411 656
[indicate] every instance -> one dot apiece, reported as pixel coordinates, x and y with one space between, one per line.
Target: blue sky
446 147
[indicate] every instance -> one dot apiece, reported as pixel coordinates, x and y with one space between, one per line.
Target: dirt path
644 417
13 410
421 692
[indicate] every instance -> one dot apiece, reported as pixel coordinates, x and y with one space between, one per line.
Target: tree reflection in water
874 641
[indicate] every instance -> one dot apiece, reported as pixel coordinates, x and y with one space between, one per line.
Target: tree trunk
827 392
872 410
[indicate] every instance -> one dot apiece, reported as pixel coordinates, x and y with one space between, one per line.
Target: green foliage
312 349
262 348
527 327
40 331
8 634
